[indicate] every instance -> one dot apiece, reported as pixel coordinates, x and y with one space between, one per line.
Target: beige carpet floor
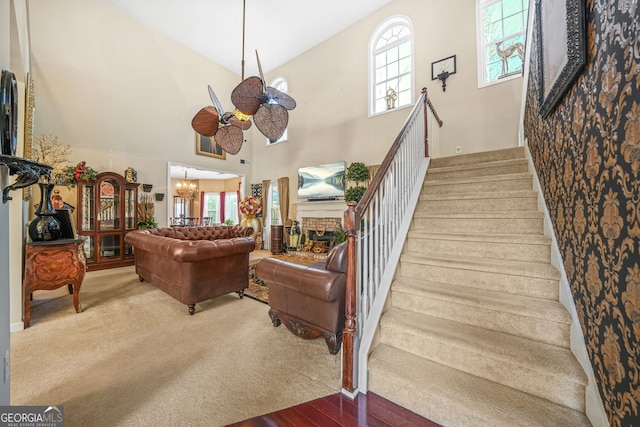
134 357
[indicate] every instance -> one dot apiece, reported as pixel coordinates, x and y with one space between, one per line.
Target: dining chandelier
186 189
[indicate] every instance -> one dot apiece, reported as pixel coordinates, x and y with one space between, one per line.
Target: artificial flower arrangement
80 171
250 205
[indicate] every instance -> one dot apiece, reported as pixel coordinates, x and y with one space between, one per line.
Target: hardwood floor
338 410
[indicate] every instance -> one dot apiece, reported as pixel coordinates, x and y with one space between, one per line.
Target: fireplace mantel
321 209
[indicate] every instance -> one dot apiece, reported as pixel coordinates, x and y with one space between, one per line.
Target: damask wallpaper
587 155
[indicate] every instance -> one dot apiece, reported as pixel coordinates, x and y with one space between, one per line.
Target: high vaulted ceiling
279 30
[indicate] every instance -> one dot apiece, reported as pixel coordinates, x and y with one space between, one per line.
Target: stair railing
376 230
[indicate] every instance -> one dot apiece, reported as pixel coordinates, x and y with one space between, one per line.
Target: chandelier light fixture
268 106
186 189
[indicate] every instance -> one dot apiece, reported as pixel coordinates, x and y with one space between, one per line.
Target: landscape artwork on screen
321 182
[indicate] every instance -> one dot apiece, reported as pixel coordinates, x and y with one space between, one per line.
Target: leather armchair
308 299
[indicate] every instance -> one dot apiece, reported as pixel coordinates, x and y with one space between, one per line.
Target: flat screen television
322 182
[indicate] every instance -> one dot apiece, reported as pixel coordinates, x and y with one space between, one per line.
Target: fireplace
318 222
319 233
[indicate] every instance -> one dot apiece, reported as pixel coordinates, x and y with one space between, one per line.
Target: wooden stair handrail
435 113
352 219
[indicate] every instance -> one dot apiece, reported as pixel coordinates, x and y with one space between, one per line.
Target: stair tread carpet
480 195
481 157
501 266
533 357
479 179
522 239
495 164
453 398
498 167
487 197
520 305
480 215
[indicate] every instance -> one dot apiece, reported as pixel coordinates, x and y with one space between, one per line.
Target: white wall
330 84
120 93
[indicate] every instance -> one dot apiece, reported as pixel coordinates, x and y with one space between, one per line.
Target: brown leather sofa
193 264
308 299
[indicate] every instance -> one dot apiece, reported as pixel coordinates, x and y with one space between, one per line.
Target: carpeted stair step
517 247
521 200
534 367
487 156
454 398
481 184
500 167
500 222
533 318
514 277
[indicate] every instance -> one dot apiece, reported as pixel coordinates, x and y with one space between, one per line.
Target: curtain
266 241
283 194
202 215
265 199
222 197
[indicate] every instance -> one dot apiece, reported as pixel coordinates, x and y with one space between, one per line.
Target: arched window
391 65
281 84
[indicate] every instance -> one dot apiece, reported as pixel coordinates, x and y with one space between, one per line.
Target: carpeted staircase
474 334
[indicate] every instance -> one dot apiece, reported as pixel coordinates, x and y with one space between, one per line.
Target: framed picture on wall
207 146
561 43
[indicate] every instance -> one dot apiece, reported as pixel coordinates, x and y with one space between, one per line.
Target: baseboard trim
594 408
17 326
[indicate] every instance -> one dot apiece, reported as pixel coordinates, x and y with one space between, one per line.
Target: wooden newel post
348 335
426 121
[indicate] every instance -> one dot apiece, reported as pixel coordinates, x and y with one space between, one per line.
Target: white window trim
383 26
480 4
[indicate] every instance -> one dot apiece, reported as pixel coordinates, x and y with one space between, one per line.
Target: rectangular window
231 207
275 205
212 207
501 27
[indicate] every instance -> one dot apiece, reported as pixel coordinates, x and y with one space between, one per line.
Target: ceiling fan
252 97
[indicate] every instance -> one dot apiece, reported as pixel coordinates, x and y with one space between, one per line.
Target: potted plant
146 220
356 172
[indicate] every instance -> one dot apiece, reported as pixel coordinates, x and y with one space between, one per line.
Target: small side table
51 265
276 239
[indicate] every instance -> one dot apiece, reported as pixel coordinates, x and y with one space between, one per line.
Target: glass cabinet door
130 208
88 247
88 204
109 209
110 246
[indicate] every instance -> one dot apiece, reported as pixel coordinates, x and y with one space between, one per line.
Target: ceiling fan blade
242 124
264 82
205 122
272 120
246 95
282 98
230 138
215 101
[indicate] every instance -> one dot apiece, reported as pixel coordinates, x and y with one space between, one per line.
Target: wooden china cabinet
106 210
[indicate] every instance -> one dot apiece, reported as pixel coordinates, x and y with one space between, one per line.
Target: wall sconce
442 69
443 77
159 197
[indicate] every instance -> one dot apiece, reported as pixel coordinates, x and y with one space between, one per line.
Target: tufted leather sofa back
202 233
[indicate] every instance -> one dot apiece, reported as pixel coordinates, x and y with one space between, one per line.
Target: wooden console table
50 265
